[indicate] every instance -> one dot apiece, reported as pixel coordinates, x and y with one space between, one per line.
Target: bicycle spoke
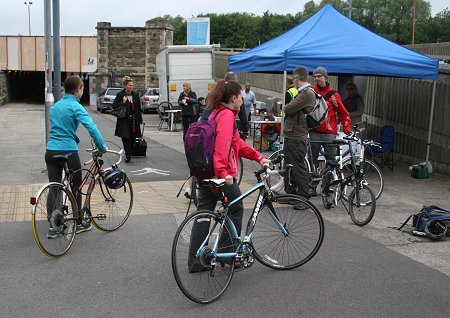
305 234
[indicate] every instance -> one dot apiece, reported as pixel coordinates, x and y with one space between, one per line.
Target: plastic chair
384 156
163 116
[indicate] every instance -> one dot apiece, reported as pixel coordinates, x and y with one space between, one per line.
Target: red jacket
335 107
225 159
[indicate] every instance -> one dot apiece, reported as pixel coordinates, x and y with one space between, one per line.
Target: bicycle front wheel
54 219
362 205
198 275
288 233
110 208
372 175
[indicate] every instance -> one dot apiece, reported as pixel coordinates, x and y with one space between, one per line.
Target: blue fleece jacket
65 116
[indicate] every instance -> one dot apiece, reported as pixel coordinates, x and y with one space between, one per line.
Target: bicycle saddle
213 182
63 158
333 163
340 142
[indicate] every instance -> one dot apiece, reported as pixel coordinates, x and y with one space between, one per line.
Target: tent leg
431 123
282 113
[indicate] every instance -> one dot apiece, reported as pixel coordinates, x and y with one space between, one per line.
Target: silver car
150 100
105 100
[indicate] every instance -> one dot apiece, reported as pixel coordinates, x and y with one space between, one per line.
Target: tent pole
284 101
431 123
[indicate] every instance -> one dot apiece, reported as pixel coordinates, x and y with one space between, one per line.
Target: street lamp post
28 4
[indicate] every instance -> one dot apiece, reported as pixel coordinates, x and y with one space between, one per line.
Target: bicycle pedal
101 216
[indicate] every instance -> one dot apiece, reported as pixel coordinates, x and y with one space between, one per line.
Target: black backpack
432 222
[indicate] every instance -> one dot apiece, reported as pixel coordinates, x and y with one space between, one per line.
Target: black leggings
54 170
187 120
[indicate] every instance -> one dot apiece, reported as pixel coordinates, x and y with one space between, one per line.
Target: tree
438 28
392 19
179 29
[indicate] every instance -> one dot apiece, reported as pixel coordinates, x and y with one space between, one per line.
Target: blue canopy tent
342 46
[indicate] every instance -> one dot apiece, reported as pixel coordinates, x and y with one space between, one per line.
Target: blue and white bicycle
283 232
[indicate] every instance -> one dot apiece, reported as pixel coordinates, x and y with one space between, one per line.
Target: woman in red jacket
225 100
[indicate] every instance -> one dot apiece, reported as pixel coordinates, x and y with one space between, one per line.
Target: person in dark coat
189 107
128 128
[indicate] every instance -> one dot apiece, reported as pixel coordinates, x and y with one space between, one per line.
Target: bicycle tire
114 204
61 204
277 251
372 174
195 184
273 180
357 209
240 170
194 190
200 281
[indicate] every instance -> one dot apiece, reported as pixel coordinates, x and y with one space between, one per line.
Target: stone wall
3 89
129 51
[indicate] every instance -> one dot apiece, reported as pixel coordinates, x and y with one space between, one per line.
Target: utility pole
28 4
414 21
350 9
49 99
56 50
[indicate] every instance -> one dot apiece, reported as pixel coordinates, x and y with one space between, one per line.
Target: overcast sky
80 17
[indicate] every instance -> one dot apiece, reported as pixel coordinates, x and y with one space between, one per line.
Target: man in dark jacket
296 133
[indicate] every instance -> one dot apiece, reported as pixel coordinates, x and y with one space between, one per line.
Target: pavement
402 196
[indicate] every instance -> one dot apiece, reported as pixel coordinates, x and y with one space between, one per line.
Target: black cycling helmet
435 229
115 178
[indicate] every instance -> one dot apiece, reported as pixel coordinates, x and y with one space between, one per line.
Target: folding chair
163 116
384 156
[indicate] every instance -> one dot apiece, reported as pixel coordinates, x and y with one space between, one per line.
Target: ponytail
222 92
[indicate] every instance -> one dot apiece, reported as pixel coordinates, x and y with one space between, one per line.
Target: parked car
150 100
105 100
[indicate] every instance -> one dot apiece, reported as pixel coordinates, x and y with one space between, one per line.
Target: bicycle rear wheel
301 241
372 174
194 190
110 208
240 170
198 277
275 182
362 205
54 219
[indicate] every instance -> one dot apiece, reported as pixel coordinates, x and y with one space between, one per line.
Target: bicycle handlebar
96 153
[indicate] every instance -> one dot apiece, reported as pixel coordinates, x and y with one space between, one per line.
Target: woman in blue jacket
65 116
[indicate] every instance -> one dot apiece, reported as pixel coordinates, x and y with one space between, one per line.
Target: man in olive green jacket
296 132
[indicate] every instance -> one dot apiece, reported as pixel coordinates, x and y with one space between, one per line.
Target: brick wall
3 89
129 51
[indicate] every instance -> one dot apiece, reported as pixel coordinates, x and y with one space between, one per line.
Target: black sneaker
312 192
83 227
52 233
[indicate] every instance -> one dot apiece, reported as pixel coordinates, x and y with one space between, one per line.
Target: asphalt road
127 274
22 136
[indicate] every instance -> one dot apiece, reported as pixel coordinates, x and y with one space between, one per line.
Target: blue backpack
199 147
432 222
